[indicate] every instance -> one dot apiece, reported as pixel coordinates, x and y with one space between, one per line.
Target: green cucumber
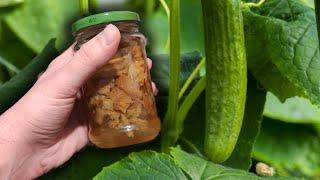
226 76
13 90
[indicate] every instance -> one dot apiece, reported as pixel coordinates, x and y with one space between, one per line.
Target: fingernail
109 34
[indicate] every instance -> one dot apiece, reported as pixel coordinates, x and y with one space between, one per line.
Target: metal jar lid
105 18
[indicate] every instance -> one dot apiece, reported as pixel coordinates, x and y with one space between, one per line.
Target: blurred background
289 139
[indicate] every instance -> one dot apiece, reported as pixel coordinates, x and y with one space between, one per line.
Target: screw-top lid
105 18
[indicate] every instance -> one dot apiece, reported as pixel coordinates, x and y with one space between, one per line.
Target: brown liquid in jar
119 100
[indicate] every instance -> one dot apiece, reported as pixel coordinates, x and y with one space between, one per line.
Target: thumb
91 57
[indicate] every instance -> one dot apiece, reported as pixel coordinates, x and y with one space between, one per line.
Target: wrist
7 162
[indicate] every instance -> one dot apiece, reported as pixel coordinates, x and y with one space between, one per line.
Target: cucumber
13 90
226 76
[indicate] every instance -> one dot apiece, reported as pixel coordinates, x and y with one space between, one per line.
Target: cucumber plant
207 101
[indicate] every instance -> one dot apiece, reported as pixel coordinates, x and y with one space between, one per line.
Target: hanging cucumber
226 76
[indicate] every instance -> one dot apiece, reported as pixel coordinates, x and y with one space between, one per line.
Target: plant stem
188 102
317 9
191 78
84 7
166 8
250 4
169 131
192 147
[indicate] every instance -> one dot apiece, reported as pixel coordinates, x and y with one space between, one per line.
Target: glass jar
119 100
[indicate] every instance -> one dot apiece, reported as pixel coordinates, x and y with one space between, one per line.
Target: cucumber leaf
157 28
198 168
37 21
293 150
309 3
256 98
180 165
12 51
160 69
85 164
194 127
293 110
5 3
89 162
143 165
283 49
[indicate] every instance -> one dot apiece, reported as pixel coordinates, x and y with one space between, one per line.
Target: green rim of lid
105 18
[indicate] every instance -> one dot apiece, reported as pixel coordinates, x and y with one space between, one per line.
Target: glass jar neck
84 35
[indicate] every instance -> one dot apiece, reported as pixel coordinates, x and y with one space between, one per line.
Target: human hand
46 127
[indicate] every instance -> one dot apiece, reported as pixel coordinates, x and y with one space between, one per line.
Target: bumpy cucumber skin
226 71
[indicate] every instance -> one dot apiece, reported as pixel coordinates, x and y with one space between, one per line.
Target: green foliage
152 165
37 21
160 70
5 3
14 55
293 150
317 9
143 165
191 36
290 68
293 110
256 98
85 164
309 3
170 128
13 90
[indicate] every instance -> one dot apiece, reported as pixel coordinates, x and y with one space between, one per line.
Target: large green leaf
5 3
90 161
160 69
293 150
85 164
152 165
12 50
308 2
143 165
192 38
283 49
293 110
194 127
198 168
13 90
157 29
37 21
256 98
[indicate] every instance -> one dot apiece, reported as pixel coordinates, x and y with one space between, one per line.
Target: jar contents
119 98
